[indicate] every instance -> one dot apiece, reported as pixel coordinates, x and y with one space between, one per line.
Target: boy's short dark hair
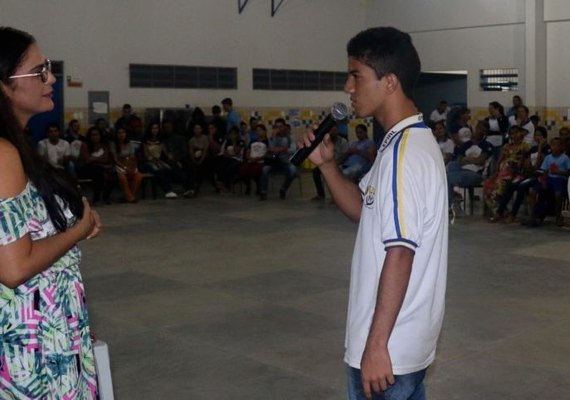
227 101
541 130
363 127
388 51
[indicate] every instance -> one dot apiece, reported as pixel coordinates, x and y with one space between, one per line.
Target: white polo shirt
404 204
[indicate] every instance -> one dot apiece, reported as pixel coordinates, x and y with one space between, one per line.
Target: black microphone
339 111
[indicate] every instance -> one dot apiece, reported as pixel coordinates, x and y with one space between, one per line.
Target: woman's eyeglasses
43 74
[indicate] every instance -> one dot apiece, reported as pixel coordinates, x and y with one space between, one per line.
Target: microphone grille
339 111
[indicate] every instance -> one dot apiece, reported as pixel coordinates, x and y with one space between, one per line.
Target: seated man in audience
128 120
340 147
552 184
73 132
281 148
440 112
471 160
177 149
105 129
360 155
445 143
54 150
252 131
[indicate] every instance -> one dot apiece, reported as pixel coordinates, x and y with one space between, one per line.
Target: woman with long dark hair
45 344
126 165
96 163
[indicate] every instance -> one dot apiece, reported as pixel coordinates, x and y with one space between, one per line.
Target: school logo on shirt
369 196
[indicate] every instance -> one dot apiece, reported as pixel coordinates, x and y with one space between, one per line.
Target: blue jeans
457 176
406 387
287 169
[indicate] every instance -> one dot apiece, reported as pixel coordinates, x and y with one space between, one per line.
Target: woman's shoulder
12 177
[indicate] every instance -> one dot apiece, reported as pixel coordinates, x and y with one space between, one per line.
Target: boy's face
367 92
556 147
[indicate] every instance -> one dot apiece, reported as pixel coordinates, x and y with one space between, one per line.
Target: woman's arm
24 258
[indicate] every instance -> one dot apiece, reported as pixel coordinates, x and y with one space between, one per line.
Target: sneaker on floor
171 195
318 199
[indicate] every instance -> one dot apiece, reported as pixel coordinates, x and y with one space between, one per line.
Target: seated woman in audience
552 184
498 127
445 143
531 163
232 157
96 163
216 139
155 156
124 156
509 168
254 158
198 149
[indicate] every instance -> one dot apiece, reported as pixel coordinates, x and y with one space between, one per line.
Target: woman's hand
89 225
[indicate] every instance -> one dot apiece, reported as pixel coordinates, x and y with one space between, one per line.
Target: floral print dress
45 346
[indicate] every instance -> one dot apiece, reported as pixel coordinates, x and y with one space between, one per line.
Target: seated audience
54 150
96 163
440 112
509 168
445 143
231 158
252 132
520 186
281 148
218 120
73 132
552 184
252 168
340 148
471 160
459 128
106 131
498 127
360 155
523 120
155 159
178 157
126 165
198 148
216 139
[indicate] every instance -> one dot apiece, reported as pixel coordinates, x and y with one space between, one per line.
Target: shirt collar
399 127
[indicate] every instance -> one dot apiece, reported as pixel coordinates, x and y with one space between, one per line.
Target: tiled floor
226 297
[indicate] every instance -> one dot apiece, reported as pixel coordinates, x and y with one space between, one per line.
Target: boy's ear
392 83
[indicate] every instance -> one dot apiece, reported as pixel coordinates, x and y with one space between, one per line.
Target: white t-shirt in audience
54 153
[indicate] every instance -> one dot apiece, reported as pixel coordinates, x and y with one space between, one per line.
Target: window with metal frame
499 79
